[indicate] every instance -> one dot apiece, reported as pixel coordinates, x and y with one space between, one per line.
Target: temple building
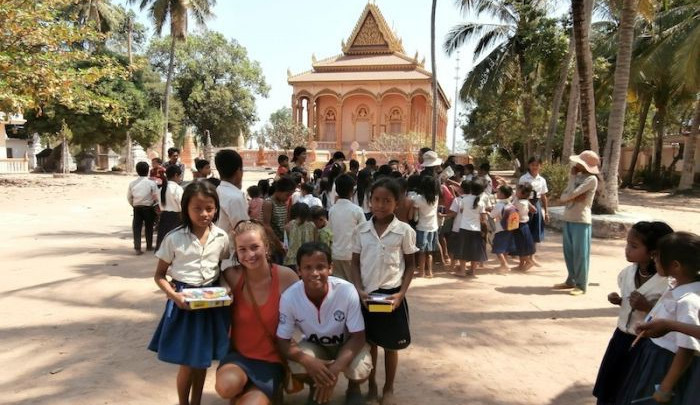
372 88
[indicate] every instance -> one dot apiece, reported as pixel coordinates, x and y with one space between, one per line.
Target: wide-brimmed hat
588 159
431 159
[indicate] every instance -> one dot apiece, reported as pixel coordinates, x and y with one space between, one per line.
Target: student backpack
510 218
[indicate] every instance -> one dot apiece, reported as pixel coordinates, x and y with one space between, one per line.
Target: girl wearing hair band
252 371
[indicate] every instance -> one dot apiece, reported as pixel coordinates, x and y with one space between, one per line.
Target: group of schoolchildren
364 226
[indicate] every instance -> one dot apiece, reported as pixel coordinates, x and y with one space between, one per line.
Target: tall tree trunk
129 161
433 144
608 199
166 97
571 119
660 125
643 112
556 102
581 11
688 172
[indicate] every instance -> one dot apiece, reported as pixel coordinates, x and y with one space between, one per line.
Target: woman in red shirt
252 372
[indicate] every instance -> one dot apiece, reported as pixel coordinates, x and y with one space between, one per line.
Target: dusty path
78 308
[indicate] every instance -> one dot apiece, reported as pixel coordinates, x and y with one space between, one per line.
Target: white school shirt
427 213
234 206
190 262
471 217
456 206
310 200
296 195
328 325
173 198
628 319
680 304
538 183
343 217
381 258
523 207
497 214
142 192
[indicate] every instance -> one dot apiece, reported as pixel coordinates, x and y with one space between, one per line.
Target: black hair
392 161
371 162
200 164
354 164
428 188
253 191
157 160
173 150
458 169
318 173
300 211
308 188
282 158
296 176
142 168
469 167
396 175
486 166
285 184
228 162
389 184
338 155
413 182
318 212
170 173
526 188
325 186
422 150
213 180
335 171
344 185
383 171
364 181
649 233
403 184
309 248
477 188
264 186
683 247
466 186
198 187
506 190
297 151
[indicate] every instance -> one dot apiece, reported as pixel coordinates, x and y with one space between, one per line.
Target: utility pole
456 103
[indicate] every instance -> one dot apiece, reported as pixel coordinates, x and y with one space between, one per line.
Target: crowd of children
377 228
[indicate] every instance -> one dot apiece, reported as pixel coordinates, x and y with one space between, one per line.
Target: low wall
613 226
10 166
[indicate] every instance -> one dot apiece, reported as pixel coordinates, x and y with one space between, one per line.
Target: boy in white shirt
344 216
143 196
327 312
234 205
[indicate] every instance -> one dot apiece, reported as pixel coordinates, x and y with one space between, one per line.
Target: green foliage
648 179
215 82
281 132
557 176
42 60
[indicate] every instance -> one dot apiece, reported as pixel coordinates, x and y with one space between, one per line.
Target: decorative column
339 126
310 115
408 114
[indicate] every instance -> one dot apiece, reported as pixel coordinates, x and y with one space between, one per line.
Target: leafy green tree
216 83
105 15
40 64
281 132
175 11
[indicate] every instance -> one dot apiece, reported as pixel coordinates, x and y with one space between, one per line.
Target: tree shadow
576 394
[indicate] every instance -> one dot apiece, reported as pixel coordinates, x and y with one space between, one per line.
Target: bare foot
429 275
372 397
527 266
516 268
388 398
459 274
502 269
535 263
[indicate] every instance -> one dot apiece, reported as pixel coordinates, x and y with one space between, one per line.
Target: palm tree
581 13
434 81
176 11
106 16
502 49
608 198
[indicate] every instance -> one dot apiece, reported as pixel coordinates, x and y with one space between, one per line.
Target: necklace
642 274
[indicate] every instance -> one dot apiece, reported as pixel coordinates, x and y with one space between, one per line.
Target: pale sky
284 34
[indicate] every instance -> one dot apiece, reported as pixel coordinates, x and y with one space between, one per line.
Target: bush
649 180
557 176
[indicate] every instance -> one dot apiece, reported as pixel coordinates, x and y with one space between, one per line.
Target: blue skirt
648 369
191 338
470 246
536 222
264 375
615 366
503 242
691 396
524 245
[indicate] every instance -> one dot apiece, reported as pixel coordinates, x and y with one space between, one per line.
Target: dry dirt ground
78 308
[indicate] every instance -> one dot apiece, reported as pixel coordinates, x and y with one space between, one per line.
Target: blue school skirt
691 396
536 222
648 369
191 338
503 242
615 366
524 245
470 246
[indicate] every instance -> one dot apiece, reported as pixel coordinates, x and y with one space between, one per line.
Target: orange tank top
249 337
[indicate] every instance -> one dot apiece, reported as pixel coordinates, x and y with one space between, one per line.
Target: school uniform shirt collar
685 289
368 226
226 184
